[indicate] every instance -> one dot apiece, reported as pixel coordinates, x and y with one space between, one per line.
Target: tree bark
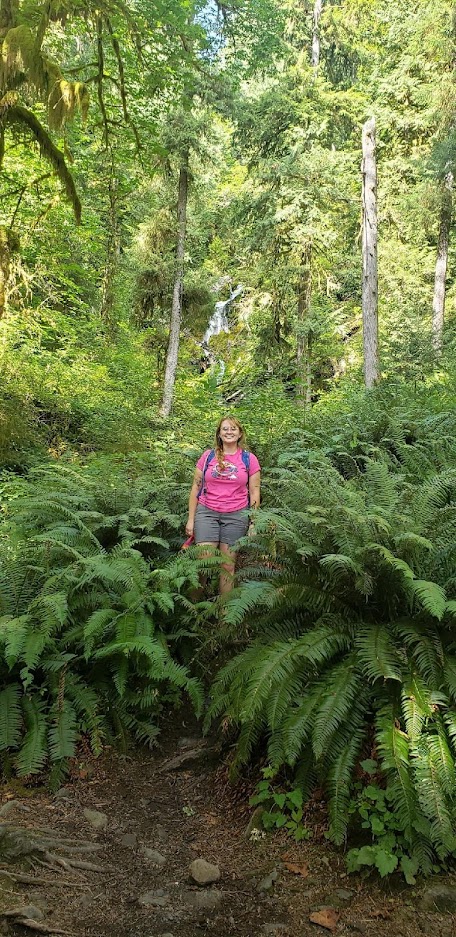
176 309
369 247
316 34
8 15
5 261
438 303
112 252
304 337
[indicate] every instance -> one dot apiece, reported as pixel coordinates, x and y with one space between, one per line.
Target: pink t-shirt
227 490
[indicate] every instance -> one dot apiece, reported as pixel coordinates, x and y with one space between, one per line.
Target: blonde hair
218 439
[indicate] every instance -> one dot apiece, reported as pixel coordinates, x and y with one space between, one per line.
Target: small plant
373 806
188 811
257 835
283 809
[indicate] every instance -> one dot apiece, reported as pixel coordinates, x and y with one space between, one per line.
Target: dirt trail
157 813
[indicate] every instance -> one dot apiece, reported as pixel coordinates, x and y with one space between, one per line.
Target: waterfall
218 323
219 318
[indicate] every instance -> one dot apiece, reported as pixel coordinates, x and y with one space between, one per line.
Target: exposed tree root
23 879
42 928
16 918
44 847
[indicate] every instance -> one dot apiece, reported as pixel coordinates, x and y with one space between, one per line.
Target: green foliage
373 808
354 626
284 808
348 595
89 602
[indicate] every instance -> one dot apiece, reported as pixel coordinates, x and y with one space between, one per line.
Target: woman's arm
254 489
193 502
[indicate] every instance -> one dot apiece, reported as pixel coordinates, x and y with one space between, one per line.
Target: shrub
355 629
89 601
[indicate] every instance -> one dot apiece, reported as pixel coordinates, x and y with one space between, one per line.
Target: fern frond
339 786
33 752
380 486
378 654
120 675
13 634
426 648
431 597
97 626
241 601
63 732
393 748
341 684
287 746
416 705
338 564
86 702
10 716
432 796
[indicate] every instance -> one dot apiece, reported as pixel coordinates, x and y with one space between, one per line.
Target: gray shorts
218 526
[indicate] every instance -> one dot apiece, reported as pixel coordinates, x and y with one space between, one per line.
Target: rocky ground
156 846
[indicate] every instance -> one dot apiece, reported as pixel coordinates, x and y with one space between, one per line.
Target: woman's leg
233 526
228 565
207 537
197 594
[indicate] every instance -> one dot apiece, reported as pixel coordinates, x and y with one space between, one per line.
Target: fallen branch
41 928
179 761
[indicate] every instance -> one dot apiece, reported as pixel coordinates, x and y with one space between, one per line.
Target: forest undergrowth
337 641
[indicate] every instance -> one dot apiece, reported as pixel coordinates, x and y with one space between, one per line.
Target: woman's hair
218 438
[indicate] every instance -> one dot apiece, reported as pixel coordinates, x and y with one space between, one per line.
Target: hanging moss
17 53
43 73
64 98
81 93
20 55
61 102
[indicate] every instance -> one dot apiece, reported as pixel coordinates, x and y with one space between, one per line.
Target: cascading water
218 323
219 318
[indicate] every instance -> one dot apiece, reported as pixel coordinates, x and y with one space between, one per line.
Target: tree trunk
112 252
5 261
8 15
316 34
438 303
304 337
176 309
370 280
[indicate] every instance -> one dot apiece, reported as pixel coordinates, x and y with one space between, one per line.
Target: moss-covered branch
21 116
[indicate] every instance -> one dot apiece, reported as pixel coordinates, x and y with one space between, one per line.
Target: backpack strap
246 460
202 487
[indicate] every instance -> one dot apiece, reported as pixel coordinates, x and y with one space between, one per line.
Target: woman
226 482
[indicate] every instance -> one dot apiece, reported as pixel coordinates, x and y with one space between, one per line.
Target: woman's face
229 432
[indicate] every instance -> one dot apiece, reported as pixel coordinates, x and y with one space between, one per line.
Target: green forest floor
154 814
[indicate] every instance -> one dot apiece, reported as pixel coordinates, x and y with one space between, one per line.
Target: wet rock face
204 873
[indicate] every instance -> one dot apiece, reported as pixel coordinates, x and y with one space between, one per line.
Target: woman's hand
189 528
251 529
